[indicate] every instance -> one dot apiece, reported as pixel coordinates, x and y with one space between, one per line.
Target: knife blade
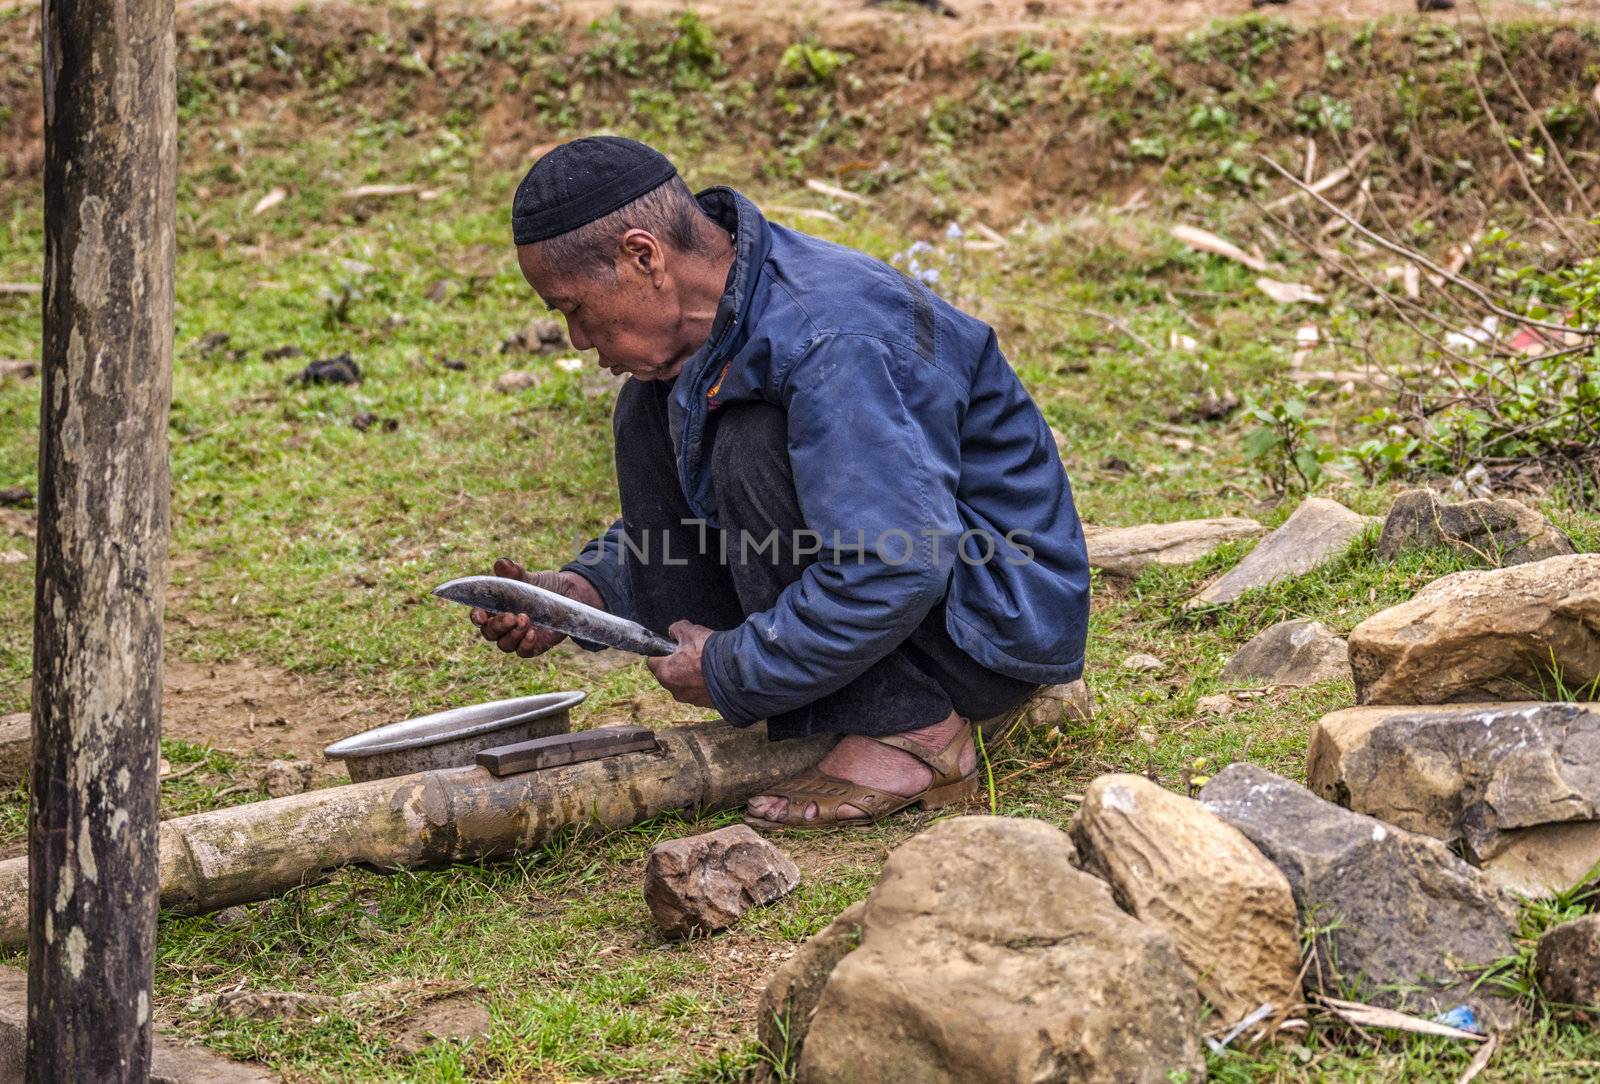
578 620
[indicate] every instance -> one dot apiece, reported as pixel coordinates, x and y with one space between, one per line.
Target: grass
303 543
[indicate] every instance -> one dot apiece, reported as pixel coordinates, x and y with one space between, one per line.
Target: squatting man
837 497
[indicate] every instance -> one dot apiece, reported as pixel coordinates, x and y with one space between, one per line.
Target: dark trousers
917 684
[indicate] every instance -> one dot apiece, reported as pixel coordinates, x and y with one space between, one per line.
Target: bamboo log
249 852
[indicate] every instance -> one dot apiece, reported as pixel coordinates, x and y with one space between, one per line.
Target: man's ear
641 252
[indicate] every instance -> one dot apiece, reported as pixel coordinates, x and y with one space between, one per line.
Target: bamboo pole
250 852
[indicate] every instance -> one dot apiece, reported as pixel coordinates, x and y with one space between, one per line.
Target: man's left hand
679 672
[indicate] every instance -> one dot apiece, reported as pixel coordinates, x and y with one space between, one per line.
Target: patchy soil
260 712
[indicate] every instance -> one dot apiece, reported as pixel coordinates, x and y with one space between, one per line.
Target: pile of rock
1003 949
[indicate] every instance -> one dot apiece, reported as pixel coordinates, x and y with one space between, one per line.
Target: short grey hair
669 212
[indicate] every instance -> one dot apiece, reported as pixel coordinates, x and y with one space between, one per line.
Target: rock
1216 704
704 883
1567 965
336 370
366 419
1493 635
543 336
236 915
458 1019
1172 864
1461 773
1318 531
1399 918
264 1004
518 380
16 747
12 496
1503 531
1300 652
285 777
1544 861
1143 664
790 999
1127 551
1071 702
985 956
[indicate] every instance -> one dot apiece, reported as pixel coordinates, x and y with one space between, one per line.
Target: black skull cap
583 180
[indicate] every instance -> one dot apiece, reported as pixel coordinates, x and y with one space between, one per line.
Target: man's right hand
514 632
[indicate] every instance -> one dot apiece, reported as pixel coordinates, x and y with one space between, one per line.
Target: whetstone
559 749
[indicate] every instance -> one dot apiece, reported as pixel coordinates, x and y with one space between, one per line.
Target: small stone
1491 635
1503 531
335 370
518 380
1319 531
285 777
13 496
231 916
1300 652
985 956
1567 965
543 336
366 419
1216 704
455 365
790 999
281 353
1461 772
1143 664
703 884
264 1005
1071 702
1170 863
14 557
1127 551
1399 918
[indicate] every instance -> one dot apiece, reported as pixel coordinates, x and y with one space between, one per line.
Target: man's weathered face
632 319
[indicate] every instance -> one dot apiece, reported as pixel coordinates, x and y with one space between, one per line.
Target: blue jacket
907 430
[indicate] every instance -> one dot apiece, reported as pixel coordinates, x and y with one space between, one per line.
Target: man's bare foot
870 763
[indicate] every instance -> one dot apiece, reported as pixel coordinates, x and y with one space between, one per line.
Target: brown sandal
828 793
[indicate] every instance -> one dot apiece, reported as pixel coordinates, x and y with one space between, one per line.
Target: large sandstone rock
704 883
1505 531
790 999
985 956
1544 861
1174 865
1467 772
1400 919
1317 532
1299 652
1491 635
1127 551
1567 965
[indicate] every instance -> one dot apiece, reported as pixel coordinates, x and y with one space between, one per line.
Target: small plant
813 63
1283 444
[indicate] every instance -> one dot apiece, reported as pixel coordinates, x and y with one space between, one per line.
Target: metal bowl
452 739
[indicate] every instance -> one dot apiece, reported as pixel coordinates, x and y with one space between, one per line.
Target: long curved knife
578 620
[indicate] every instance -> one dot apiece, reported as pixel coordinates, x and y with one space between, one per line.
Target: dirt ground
260 712
963 17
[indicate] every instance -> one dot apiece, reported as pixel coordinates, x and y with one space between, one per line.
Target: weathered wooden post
109 182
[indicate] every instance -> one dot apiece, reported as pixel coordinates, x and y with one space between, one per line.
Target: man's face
632 319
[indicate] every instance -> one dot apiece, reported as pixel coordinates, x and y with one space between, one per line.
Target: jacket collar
752 240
